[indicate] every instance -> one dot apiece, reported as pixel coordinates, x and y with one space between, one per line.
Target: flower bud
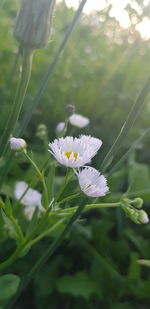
17 144
33 24
70 109
42 131
60 126
142 216
137 202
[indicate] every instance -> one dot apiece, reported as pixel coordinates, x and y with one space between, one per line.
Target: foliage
88 257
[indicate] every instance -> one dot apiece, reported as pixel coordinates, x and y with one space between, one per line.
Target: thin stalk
89 206
19 99
51 69
14 222
45 233
17 229
69 198
125 156
48 253
134 112
14 69
41 176
66 180
44 84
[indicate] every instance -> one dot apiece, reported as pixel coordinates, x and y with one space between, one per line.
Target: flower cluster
76 153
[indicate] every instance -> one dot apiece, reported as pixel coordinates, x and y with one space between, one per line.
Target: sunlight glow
117 11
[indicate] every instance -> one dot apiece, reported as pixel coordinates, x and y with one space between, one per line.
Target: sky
118 11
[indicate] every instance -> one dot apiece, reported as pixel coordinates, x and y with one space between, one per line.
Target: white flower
17 144
92 183
75 152
79 120
31 198
29 211
60 127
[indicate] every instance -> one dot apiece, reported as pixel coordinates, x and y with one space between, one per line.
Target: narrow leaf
134 112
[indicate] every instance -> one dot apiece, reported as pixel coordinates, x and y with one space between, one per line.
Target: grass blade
134 112
132 148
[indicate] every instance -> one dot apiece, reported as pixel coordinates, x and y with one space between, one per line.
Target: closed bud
131 213
17 144
142 216
70 109
33 24
42 131
137 202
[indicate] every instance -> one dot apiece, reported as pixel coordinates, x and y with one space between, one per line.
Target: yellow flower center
68 154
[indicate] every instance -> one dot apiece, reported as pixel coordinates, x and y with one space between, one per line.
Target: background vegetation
101 72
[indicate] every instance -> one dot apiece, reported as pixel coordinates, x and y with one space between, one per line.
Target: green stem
17 228
12 258
52 67
66 180
14 222
88 207
41 176
69 198
45 233
19 99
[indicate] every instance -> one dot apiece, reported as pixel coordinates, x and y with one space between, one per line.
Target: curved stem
12 258
19 99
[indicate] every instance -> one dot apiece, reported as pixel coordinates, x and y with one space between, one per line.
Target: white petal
75 152
31 197
79 120
60 126
92 183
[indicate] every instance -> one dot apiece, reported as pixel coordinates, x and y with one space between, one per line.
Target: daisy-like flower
75 152
60 127
31 199
79 121
92 183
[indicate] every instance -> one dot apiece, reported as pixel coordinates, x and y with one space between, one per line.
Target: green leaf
139 177
8 207
10 226
134 268
8 286
79 284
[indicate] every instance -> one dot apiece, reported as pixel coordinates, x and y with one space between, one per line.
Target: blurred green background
101 72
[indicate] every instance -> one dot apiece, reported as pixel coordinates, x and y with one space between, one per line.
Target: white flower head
75 152
17 144
92 183
31 198
79 121
60 127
